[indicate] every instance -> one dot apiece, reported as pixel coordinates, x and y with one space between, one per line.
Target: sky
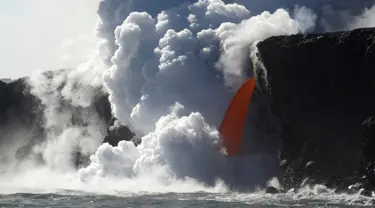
54 34
44 34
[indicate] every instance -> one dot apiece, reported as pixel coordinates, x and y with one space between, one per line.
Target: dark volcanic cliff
322 88
18 107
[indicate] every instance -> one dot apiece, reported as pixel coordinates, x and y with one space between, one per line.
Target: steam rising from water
69 117
171 70
164 83
366 19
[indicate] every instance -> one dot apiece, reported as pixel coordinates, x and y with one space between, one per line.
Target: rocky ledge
321 88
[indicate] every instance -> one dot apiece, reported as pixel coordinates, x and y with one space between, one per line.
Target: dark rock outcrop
321 88
17 105
15 100
117 133
368 139
271 190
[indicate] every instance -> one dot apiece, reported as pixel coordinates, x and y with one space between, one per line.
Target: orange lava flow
231 128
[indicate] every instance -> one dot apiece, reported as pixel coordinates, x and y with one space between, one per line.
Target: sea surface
193 200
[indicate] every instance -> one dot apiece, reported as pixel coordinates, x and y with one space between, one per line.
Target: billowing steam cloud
144 86
367 19
331 15
171 78
70 121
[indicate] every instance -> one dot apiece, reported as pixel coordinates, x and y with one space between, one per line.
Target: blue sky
38 34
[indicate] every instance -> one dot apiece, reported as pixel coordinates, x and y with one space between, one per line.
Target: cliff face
17 106
321 87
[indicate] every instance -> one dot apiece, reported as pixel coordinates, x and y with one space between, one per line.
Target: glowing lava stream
232 126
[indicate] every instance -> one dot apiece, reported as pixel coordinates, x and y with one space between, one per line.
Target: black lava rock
271 190
321 88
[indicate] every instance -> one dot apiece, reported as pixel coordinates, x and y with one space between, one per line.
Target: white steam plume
366 19
113 12
144 86
333 15
237 39
70 120
164 83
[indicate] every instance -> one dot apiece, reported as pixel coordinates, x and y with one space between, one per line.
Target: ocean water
171 200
